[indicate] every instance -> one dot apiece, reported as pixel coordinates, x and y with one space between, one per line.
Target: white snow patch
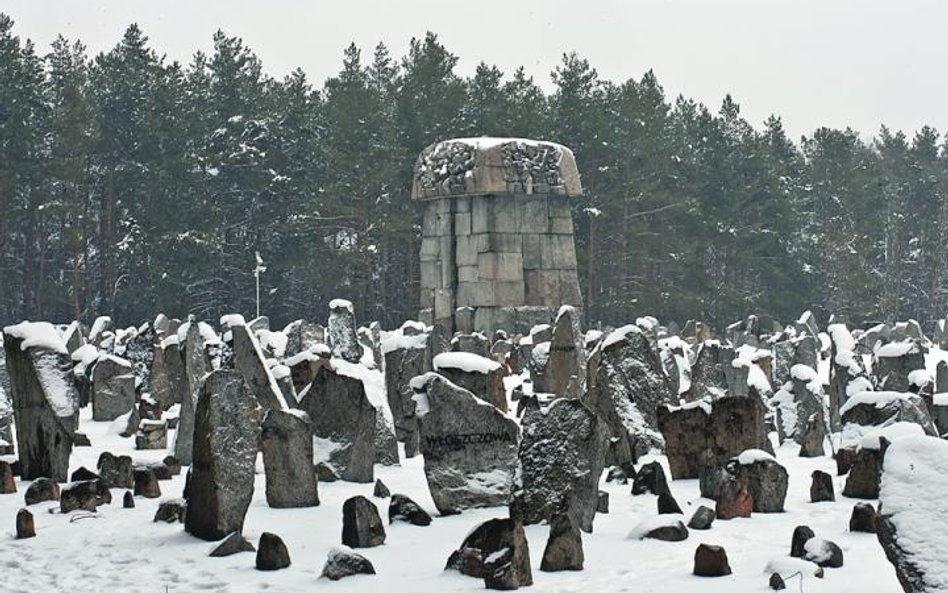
879 399
38 334
465 361
752 456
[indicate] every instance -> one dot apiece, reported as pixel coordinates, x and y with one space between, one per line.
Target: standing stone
25 528
361 525
171 511
7 479
864 475
863 518
220 481
381 490
248 360
561 459
480 375
667 505
344 420
128 500
711 561
708 380
626 384
651 478
152 434
113 388
766 480
567 351
881 408
564 547
509 567
41 490
45 400
602 505
501 538
146 483
406 356
271 552
894 362
814 436
702 519
196 365
343 338
287 443
230 545
821 489
470 447
734 500
116 471
801 535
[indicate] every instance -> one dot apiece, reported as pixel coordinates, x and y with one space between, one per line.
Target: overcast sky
857 63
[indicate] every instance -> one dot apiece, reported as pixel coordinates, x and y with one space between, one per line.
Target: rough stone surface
625 385
561 459
128 500
813 437
734 500
152 434
487 386
86 496
470 447
248 360
906 408
25 528
891 372
823 553
171 511
45 405
342 562
342 334
344 420
711 561
864 475
196 365
821 488
287 443
567 351
221 479
667 505
271 552
7 479
767 482
113 388
702 519
402 508
116 471
487 540
650 478
41 490
405 359
863 518
564 547
146 483
381 490
801 535
675 532
708 380
361 525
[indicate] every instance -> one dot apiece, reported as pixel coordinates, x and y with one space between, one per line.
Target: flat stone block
505 242
500 267
462 223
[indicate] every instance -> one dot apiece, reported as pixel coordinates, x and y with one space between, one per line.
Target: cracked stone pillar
497 235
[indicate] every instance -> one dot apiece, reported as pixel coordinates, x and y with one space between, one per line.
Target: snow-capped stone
287 444
470 447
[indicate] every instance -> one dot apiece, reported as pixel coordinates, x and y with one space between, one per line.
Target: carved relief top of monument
478 166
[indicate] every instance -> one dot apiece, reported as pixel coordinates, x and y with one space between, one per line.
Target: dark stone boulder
821 487
863 518
341 331
271 552
500 540
361 525
45 399
823 553
711 561
82 474
734 499
287 443
564 547
561 459
128 500
25 527
702 518
667 505
864 475
801 535
220 482
171 511
650 479
7 479
146 483
766 480
41 490
341 412
113 388
673 532
813 437
381 490
470 449
84 496
249 362
342 562
402 508
602 505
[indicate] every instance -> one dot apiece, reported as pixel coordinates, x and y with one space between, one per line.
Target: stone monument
497 234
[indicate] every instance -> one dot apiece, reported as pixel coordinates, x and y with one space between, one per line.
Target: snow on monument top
498 166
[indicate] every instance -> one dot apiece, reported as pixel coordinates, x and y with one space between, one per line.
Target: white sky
838 63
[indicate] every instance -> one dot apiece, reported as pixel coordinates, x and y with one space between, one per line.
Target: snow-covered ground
122 550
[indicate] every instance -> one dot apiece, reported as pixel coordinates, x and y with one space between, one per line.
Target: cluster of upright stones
497 231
